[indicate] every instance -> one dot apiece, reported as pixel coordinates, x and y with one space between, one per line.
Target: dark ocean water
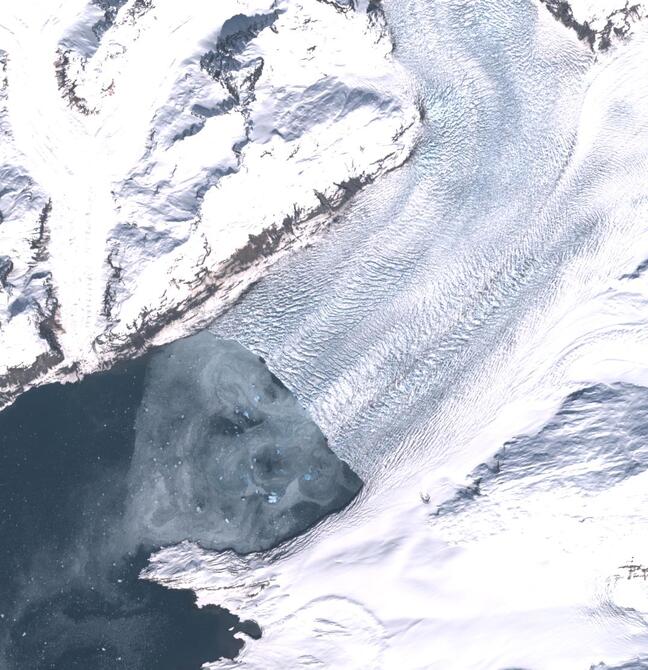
67 601
198 441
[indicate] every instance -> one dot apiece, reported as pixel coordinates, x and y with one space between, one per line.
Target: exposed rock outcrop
599 24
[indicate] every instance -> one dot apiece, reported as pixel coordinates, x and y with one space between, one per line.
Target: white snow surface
454 306
501 273
157 156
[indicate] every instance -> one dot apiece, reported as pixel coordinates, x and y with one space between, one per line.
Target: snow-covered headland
599 23
157 156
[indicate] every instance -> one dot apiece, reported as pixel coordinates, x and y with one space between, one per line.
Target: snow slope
158 156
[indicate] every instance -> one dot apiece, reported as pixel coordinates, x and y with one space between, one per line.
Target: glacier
459 303
469 333
157 157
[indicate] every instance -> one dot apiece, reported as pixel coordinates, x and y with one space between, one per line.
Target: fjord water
454 305
70 597
198 441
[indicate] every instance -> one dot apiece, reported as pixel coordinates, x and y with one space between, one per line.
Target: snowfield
157 157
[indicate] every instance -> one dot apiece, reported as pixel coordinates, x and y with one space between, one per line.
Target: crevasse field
470 334
483 304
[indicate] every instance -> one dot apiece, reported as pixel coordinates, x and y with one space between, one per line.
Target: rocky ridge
172 153
598 24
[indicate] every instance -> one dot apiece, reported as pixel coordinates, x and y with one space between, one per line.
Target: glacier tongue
160 156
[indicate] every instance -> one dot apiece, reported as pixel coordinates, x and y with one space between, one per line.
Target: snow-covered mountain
471 338
157 156
599 23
